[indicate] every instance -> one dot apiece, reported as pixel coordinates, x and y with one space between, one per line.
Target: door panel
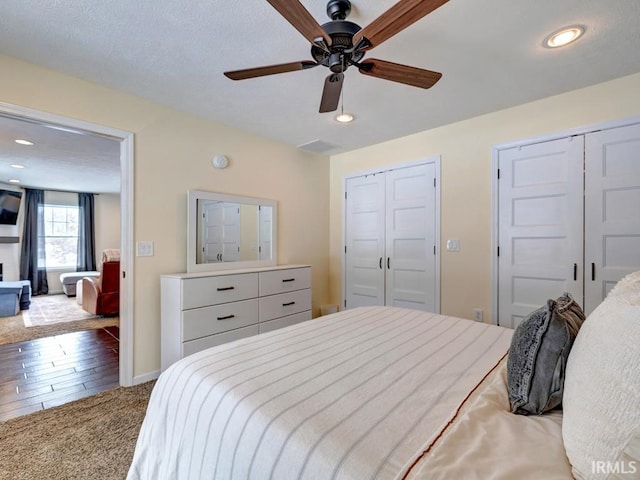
364 234
612 209
410 237
265 215
540 226
231 232
213 215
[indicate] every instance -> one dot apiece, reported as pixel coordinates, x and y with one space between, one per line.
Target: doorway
125 140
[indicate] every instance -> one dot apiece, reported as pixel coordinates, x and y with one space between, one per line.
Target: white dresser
201 310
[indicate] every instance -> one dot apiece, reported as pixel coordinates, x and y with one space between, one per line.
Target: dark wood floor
46 372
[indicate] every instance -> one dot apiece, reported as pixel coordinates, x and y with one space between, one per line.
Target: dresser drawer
280 281
285 321
201 322
284 304
205 291
213 340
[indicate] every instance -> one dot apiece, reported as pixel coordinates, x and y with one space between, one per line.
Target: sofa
70 280
14 296
101 294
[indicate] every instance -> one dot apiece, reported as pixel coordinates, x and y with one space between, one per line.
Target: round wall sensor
220 161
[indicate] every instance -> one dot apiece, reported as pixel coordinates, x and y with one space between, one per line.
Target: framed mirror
228 231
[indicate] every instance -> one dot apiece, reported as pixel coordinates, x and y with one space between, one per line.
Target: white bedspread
355 395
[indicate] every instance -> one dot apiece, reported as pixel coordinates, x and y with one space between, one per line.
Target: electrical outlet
144 249
453 245
477 314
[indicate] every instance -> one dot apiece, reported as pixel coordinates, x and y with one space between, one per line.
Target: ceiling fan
340 44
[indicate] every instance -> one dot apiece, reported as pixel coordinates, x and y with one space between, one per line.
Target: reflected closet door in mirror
229 232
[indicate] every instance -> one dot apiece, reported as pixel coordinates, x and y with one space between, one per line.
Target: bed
368 393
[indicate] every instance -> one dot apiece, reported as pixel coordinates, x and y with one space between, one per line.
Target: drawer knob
227 317
288 304
222 289
288 280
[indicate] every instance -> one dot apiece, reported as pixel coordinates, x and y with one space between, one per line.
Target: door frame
436 161
496 149
126 217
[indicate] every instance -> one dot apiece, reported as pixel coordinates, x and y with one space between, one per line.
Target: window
60 236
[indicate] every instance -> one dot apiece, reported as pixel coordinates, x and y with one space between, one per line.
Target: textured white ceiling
64 160
174 52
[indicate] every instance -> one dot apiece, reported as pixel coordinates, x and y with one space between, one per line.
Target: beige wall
466 159
173 153
107 226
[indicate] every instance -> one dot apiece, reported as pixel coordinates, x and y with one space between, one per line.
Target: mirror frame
192 233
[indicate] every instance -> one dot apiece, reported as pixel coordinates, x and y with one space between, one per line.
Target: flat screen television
9 207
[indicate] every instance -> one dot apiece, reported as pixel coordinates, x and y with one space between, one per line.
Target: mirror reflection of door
264 229
230 232
220 231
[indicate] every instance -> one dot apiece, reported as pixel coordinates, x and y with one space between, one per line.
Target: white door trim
126 218
494 186
435 160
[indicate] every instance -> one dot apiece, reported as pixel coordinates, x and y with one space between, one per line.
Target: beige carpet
50 315
93 438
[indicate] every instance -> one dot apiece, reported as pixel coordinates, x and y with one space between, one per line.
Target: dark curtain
33 249
86 234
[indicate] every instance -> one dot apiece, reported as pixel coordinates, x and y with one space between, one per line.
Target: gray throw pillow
538 356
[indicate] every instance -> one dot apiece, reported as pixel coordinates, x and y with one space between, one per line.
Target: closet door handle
575 272
593 271
388 264
380 263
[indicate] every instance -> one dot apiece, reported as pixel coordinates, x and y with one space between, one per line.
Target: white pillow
627 289
602 388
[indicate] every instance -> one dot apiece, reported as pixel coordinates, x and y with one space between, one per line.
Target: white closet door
265 215
213 215
612 210
364 232
410 237
231 233
540 234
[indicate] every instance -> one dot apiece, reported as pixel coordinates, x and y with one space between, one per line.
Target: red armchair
101 295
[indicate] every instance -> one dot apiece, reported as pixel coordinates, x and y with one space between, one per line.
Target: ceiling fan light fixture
563 37
345 118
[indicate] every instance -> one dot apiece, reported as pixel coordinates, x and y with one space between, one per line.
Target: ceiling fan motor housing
341 33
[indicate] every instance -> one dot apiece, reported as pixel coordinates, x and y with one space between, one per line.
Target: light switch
453 245
144 249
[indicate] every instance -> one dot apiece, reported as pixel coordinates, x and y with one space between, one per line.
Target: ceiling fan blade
395 72
394 20
298 16
269 70
331 92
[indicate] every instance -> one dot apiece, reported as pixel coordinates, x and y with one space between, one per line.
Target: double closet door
390 238
221 232
568 219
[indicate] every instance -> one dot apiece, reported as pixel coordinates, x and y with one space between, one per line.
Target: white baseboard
147 377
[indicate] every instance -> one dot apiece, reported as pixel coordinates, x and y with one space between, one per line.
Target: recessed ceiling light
22 141
13 180
345 118
16 165
563 37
